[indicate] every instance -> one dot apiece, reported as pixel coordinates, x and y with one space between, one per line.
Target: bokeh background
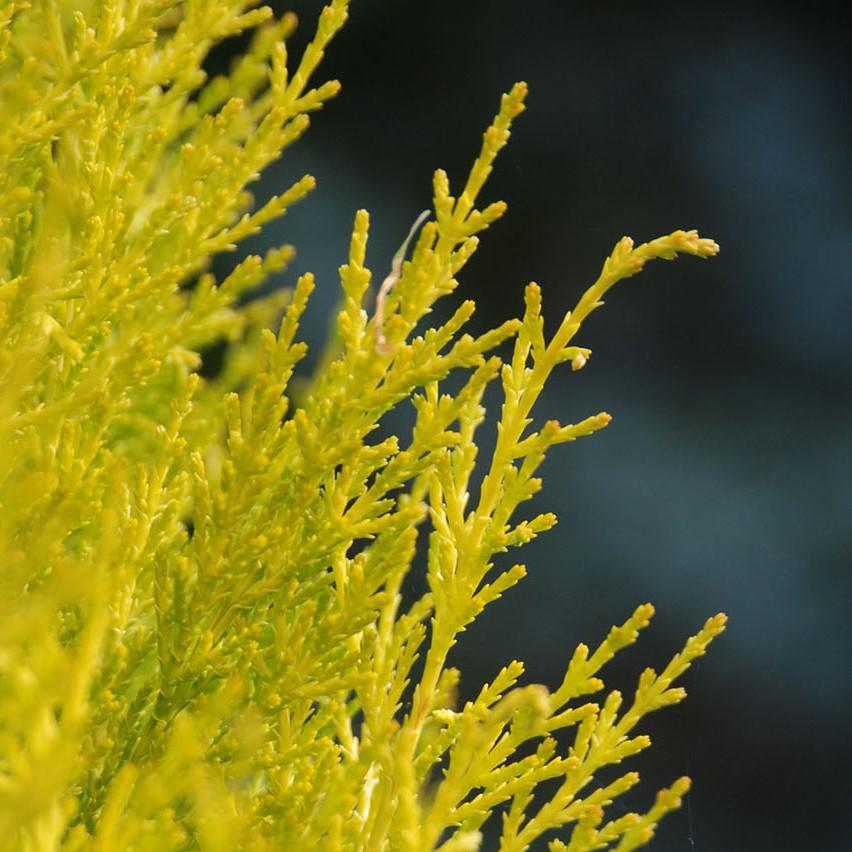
725 480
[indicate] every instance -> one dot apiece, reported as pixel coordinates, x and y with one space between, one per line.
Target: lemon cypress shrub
202 638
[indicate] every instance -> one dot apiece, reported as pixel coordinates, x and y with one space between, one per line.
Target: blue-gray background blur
724 481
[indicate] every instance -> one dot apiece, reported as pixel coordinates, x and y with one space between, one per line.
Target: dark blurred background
725 480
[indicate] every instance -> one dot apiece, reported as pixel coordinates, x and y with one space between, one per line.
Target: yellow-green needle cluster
203 641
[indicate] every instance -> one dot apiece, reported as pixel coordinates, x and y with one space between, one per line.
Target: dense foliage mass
202 639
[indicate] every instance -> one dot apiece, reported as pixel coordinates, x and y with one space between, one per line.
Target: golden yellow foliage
202 638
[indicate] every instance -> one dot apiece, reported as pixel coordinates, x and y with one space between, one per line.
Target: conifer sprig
203 640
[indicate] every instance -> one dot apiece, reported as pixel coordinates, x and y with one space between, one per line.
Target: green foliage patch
202 639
